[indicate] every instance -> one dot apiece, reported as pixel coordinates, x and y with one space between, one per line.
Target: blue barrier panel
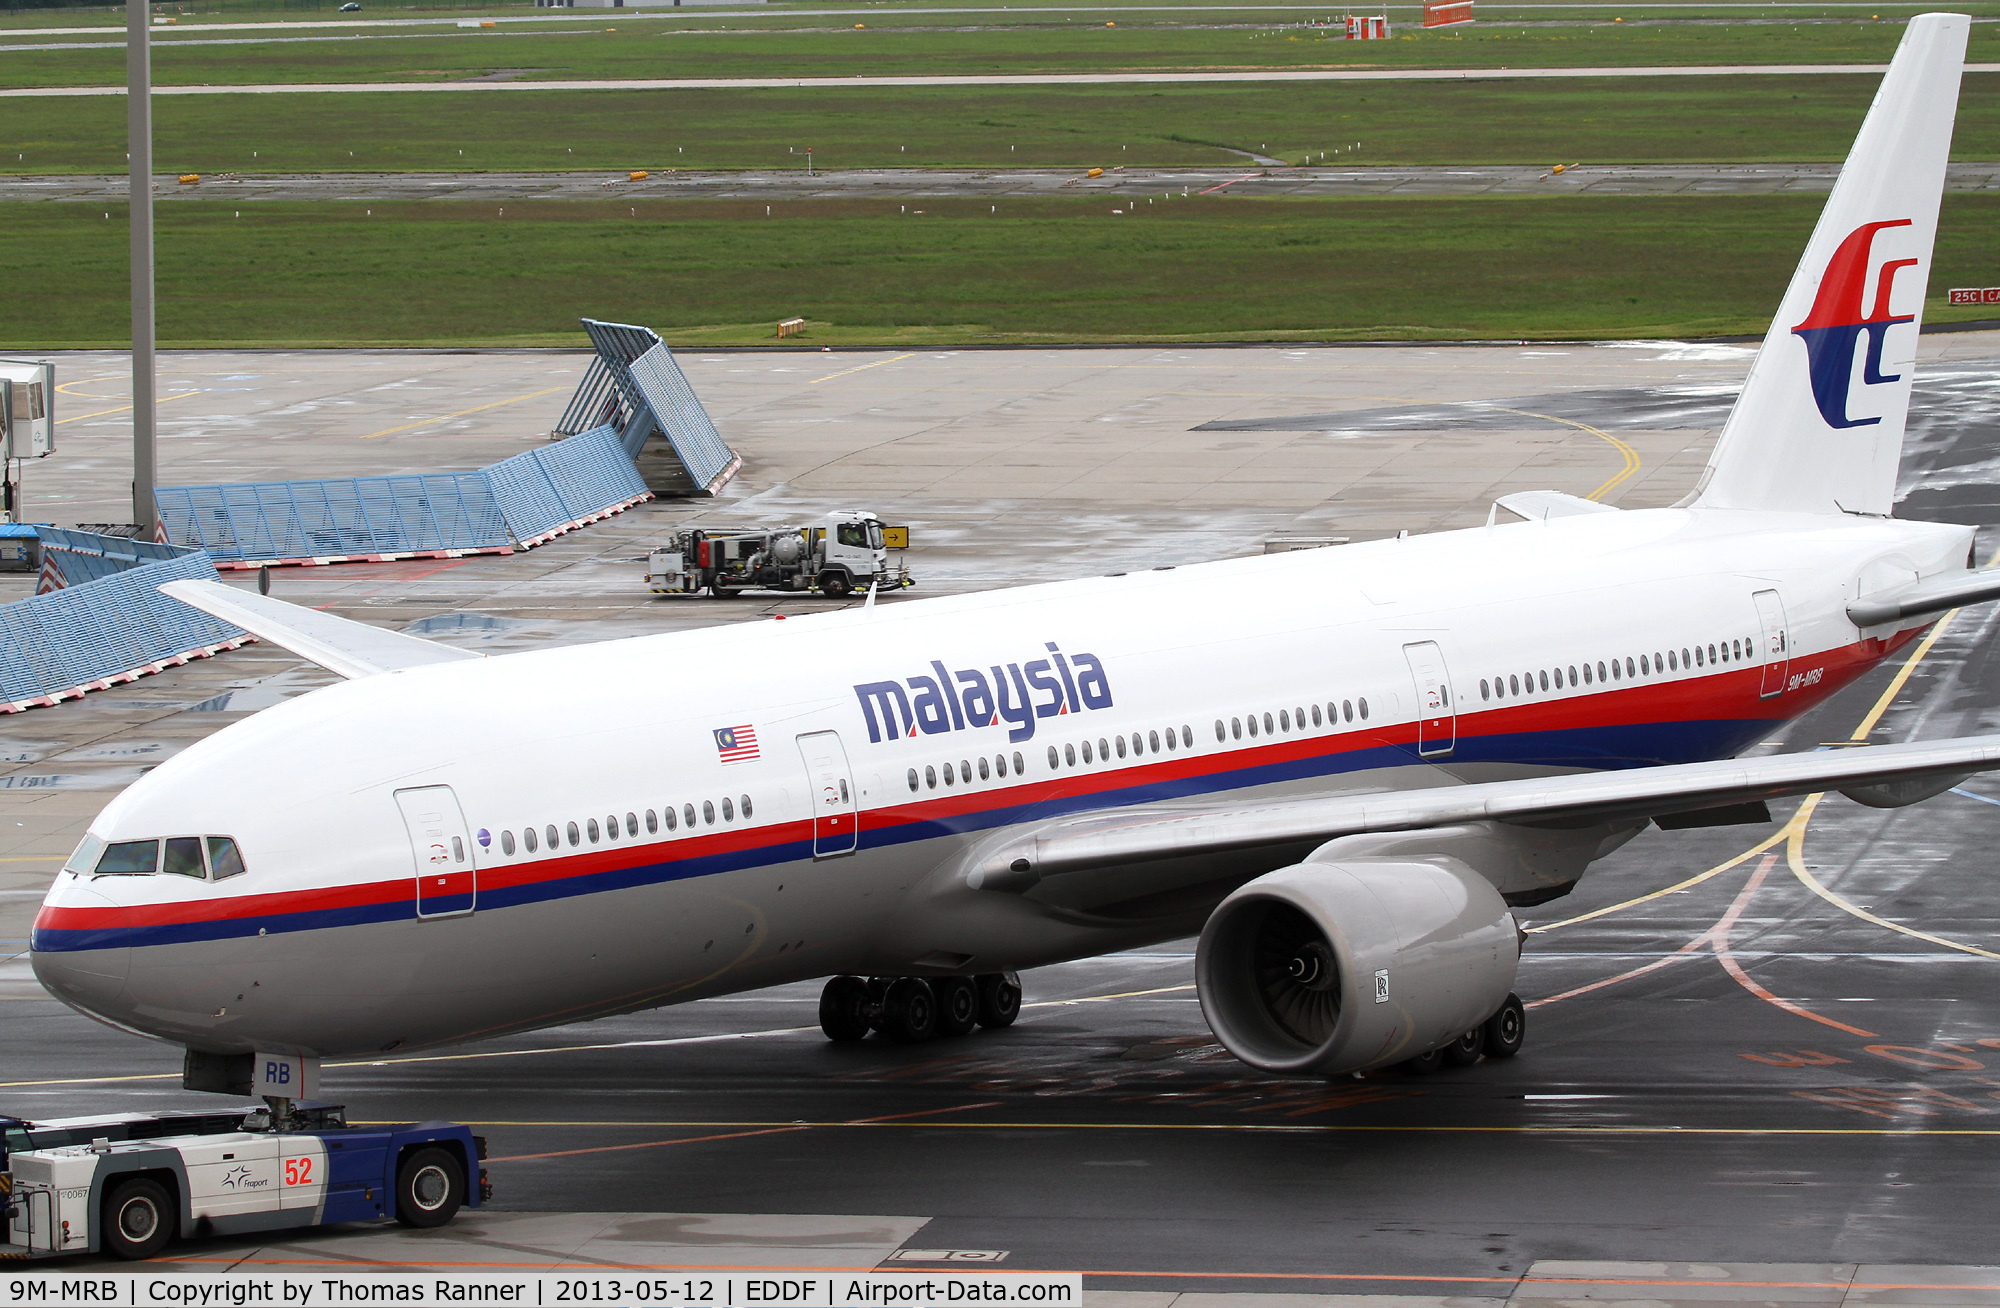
366 518
636 385
114 628
71 557
552 488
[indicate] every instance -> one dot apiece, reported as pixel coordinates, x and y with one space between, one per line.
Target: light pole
139 130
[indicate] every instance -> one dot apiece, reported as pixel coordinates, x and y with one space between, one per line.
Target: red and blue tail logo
1833 329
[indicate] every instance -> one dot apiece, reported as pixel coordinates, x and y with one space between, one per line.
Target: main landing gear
1499 1036
912 1009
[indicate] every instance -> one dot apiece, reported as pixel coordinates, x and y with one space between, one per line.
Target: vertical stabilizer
1819 426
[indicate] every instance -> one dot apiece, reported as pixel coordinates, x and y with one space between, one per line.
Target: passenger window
575 838
1602 675
1069 754
507 843
1364 709
129 857
708 812
590 826
1643 665
611 825
1316 717
930 773
913 780
1545 681
687 815
1088 756
1121 746
1267 724
631 824
951 773
1298 716
528 839
1000 764
1138 744
458 849
673 822
1153 741
1659 662
1614 669
1347 709
1711 653
1485 692
223 859
1253 726
183 857
1221 732
1171 742
728 810
1236 728
1630 669
746 801
1020 768
652 823
1513 683
983 772
555 841
1572 674
1187 736
1284 720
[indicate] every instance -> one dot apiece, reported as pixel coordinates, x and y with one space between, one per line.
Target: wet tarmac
1771 1045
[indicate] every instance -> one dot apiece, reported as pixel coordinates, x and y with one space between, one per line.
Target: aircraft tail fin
1819 426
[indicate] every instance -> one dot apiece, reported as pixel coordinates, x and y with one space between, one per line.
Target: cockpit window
223 859
129 856
855 534
183 857
85 857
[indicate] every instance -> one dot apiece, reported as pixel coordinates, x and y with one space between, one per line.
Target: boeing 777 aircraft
1341 767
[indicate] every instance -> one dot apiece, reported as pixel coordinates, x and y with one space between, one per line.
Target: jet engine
1324 968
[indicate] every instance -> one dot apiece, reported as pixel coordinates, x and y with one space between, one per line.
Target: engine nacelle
1336 967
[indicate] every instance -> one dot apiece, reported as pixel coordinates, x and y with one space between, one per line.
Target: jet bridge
636 387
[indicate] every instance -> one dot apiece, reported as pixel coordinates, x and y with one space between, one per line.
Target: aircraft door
830 789
1437 720
1777 653
447 881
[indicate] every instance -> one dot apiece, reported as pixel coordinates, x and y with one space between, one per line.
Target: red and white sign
1368 28
1443 13
1975 295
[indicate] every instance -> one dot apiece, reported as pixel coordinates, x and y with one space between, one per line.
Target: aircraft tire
909 1011
430 1186
1468 1048
1424 1064
843 1009
1506 1029
138 1219
958 1005
999 999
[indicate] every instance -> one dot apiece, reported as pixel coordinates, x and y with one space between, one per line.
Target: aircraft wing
353 649
1883 776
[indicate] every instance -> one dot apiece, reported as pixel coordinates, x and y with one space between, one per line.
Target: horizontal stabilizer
352 649
1584 799
1926 597
1541 505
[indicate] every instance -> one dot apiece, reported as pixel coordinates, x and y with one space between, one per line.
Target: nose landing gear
912 1009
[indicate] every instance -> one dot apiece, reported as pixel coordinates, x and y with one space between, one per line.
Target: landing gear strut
912 1009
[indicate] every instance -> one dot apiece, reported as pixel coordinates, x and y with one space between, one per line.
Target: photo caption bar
735 1288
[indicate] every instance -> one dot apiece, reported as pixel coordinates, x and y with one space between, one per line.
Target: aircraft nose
78 950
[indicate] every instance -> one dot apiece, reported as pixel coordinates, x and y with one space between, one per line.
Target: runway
924 183
1763 1063
1135 77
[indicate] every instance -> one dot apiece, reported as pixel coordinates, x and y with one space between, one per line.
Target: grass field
1051 43
1637 120
1039 271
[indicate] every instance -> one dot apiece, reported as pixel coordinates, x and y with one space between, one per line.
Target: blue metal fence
520 501
636 385
114 627
71 557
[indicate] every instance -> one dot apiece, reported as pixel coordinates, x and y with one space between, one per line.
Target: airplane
1343 769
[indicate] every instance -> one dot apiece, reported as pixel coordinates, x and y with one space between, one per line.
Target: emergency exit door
830 788
447 881
1437 720
1777 651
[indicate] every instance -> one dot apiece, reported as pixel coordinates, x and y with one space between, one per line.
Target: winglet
352 649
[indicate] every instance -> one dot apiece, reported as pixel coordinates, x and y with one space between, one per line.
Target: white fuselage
359 925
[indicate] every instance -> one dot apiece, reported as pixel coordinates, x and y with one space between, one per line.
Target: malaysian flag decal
736 744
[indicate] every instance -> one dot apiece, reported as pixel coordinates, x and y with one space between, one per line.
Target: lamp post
139 130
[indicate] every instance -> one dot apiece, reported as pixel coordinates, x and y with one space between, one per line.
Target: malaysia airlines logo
1835 326
964 699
